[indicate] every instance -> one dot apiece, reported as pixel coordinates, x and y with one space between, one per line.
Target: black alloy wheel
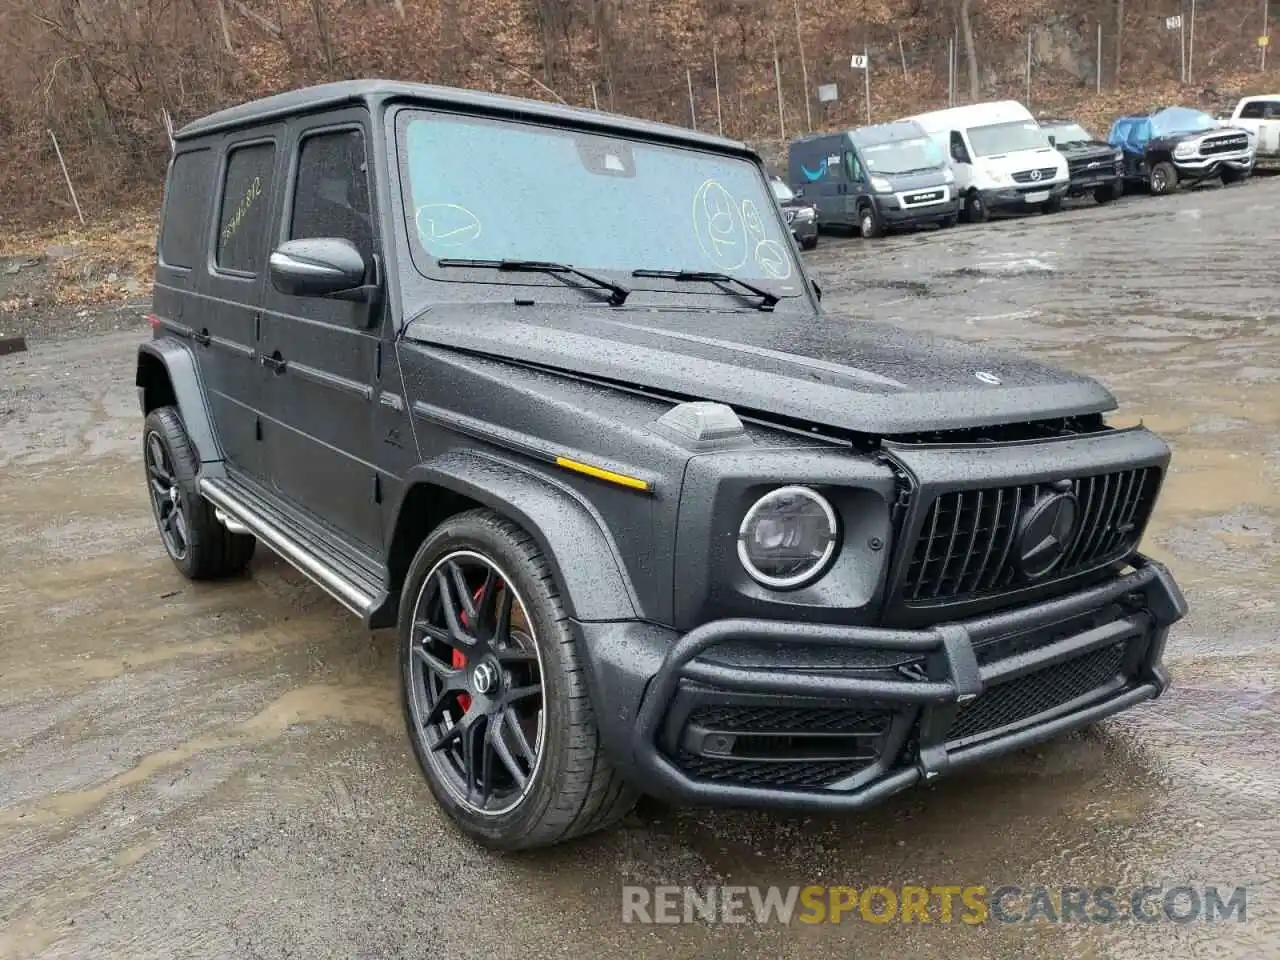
476 683
167 501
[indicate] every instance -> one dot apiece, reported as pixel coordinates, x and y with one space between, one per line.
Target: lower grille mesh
769 773
1037 692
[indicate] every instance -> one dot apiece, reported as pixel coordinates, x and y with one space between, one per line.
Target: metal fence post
715 69
693 113
777 79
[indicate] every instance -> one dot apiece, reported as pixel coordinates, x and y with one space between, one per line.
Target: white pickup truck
1260 115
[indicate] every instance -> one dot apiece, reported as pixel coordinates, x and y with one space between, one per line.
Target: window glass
331 198
504 190
851 164
243 218
903 156
185 208
1252 111
1011 136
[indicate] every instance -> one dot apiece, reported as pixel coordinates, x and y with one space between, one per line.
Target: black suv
1095 166
645 518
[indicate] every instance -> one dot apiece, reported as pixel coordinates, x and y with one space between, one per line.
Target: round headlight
788 537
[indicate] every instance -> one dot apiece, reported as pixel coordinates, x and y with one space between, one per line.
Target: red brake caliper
459 660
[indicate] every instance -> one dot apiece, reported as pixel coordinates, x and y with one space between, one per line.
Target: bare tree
970 52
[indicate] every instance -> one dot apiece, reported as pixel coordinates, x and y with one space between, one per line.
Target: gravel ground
220 770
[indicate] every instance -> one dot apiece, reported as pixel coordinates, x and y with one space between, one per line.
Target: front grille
1096 166
926 196
1230 144
968 547
769 773
792 719
1027 176
1037 692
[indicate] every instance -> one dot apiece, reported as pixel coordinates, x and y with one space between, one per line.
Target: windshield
1069 133
1180 120
994 138
903 156
781 191
486 190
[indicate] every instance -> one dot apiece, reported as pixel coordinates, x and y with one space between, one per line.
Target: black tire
1164 179
975 210
808 243
570 789
946 222
208 551
869 225
1109 192
1052 206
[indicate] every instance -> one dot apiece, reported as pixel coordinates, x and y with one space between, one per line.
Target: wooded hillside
101 74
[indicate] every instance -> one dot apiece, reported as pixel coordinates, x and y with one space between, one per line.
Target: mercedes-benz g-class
645 517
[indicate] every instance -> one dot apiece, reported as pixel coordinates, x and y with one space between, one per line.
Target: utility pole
804 73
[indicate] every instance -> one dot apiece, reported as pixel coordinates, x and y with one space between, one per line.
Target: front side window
242 220
331 197
485 190
996 138
903 156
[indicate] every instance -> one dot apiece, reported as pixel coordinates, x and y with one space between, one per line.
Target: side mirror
320 267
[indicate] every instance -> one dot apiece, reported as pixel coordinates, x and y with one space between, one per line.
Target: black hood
838 372
1085 148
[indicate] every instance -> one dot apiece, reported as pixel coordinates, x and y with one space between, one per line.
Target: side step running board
239 517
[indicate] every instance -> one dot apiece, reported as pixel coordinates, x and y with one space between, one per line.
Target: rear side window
331 196
185 208
245 198
1260 110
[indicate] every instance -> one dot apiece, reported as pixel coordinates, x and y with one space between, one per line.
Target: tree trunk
1119 38
971 54
226 27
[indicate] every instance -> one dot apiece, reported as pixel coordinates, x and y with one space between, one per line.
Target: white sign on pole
858 61
827 93
1173 23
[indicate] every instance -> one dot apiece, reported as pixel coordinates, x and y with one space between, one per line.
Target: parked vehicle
801 215
1261 117
1181 145
874 178
1095 167
645 517
1001 158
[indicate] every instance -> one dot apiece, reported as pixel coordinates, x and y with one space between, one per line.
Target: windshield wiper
617 292
767 300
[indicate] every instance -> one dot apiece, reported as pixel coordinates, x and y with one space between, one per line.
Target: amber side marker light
621 479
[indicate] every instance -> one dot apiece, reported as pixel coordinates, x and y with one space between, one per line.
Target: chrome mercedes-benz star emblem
1044 533
985 377
484 677
1035 174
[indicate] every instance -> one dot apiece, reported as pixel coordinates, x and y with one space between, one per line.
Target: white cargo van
1001 158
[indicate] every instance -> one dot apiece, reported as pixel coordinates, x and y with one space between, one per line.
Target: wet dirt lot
221 770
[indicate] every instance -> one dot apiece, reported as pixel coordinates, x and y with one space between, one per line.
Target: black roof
373 93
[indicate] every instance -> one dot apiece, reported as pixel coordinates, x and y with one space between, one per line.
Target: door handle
202 338
275 363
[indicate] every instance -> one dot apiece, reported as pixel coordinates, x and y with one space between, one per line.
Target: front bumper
920 703
1206 168
803 230
1022 197
894 212
1084 183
